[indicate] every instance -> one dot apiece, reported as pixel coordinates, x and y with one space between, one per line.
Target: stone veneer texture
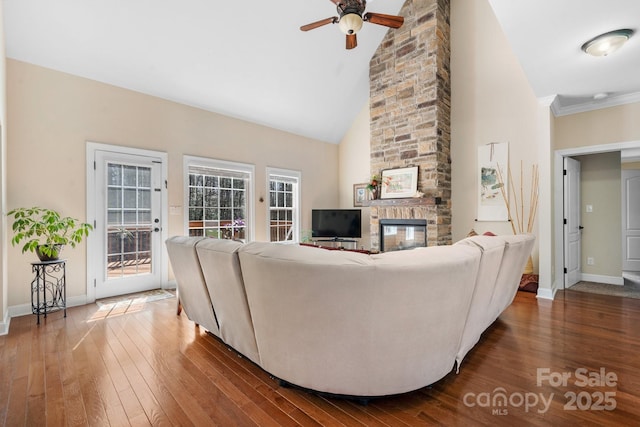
410 106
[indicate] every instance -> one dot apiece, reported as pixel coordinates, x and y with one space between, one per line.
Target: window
284 205
218 195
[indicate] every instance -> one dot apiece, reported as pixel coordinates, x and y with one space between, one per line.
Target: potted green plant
45 231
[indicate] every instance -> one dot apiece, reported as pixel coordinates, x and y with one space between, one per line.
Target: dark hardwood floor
150 367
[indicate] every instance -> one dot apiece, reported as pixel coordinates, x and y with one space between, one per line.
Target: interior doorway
563 262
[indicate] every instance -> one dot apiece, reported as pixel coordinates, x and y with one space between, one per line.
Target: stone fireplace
410 104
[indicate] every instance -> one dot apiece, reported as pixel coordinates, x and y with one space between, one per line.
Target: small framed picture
399 183
360 194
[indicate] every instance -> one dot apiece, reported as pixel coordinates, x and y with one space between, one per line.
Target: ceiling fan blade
352 41
390 21
320 23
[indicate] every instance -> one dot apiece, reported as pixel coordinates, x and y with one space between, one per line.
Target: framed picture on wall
360 194
493 166
399 183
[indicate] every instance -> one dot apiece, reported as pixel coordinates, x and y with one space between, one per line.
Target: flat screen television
336 223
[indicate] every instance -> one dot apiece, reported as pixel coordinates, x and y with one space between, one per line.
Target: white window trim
220 164
287 173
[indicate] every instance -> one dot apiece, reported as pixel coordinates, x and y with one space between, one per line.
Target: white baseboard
171 284
609 280
546 293
4 325
24 309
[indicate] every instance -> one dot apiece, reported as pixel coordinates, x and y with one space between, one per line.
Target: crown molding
612 101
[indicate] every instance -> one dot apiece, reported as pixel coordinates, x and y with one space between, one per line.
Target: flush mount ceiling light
607 43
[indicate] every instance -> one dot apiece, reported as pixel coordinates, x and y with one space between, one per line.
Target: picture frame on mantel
360 194
399 183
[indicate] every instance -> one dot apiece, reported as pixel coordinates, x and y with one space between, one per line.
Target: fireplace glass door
402 234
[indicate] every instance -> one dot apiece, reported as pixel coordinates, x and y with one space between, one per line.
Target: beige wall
491 102
4 313
600 187
52 116
606 126
354 154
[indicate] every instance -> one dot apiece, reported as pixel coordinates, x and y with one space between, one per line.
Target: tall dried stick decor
518 225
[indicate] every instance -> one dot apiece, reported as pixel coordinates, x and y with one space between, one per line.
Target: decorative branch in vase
518 225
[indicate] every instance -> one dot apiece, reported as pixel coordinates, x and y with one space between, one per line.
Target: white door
630 220
572 227
128 223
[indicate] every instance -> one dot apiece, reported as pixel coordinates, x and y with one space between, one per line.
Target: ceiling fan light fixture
607 43
350 23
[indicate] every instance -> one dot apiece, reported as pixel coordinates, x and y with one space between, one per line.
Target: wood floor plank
190 382
145 395
74 409
54 395
151 367
17 405
230 363
190 392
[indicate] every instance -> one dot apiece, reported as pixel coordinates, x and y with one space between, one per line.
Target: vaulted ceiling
248 59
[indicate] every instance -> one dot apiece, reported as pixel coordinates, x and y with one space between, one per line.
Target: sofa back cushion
192 291
517 250
223 278
478 319
356 324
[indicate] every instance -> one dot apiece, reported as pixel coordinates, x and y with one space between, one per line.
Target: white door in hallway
630 220
572 227
128 223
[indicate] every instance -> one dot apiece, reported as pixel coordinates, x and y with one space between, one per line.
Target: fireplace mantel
409 202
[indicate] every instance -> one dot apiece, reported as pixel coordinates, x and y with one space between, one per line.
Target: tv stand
336 240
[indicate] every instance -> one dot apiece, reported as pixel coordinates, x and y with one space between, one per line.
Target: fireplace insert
402 234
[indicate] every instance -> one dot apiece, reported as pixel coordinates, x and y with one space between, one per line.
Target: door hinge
94 282
564 172
565 221
94 165
95 224
565 270
165 184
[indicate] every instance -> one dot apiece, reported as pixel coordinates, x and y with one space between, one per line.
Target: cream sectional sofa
348 323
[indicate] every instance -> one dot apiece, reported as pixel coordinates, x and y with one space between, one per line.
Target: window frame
297 194
204 162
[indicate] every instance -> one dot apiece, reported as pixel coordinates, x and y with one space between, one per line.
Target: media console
336 240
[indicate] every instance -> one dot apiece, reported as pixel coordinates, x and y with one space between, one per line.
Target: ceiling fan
350 18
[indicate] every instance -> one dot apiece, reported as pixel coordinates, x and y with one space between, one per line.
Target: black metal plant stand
48 288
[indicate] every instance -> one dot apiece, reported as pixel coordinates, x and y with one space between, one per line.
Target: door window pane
129 220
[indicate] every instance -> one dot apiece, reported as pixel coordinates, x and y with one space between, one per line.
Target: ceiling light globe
606 44
350 23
